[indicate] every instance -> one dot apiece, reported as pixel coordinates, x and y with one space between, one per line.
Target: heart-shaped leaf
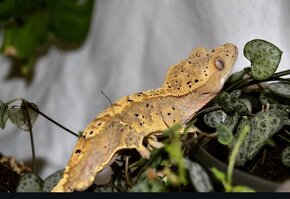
3 114
18 117
231 121
264 56
231 103
280 88
263 126
52 180
29 182
213 118
236 77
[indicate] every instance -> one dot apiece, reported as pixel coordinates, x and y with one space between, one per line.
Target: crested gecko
188 86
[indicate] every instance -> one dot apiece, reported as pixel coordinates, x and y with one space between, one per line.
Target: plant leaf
264 56
3 114
286 156
236 77
263 126
18 117
70 20
219 175
225 135
29 182
52 180
242 189
198 177
280 88
231 103
241 157
213 118
231 121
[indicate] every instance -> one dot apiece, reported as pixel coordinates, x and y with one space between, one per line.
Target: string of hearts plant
244 117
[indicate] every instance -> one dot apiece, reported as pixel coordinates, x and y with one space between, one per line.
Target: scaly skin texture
188 86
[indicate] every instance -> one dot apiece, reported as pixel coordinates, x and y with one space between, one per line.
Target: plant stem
250 81
51 120
234 153
30 133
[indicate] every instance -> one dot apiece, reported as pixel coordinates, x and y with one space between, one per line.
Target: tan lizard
188 86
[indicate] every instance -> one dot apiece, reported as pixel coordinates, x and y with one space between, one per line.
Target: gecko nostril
219 64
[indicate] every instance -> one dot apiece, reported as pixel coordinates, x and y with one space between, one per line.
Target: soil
10 173
267 164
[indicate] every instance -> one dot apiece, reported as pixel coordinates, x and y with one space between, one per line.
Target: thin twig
50 119
128 178
30 133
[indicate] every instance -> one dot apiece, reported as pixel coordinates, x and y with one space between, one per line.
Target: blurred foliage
31 27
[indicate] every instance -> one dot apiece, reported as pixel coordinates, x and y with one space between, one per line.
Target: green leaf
236 77
225 135
8 8
52 180
231 121
18 117
23 41
70 20
3 114
198 177
221 177
263 126
264 56
269 97
29 182
286 156
280 88
213 118
242 189
231 103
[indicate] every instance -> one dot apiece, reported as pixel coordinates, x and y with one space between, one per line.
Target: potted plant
241 142
250 123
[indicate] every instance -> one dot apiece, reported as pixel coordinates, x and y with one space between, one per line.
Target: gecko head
222 61
202 68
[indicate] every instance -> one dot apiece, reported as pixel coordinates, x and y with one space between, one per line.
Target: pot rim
239 177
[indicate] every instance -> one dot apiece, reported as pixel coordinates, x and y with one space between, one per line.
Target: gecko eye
219 64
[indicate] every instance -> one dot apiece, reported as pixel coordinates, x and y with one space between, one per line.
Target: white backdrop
130 46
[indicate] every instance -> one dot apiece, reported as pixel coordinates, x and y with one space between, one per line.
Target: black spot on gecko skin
136 115
147 105
129 100
173 108
196 80
84 136
78 151
91 132
168 113
99 124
